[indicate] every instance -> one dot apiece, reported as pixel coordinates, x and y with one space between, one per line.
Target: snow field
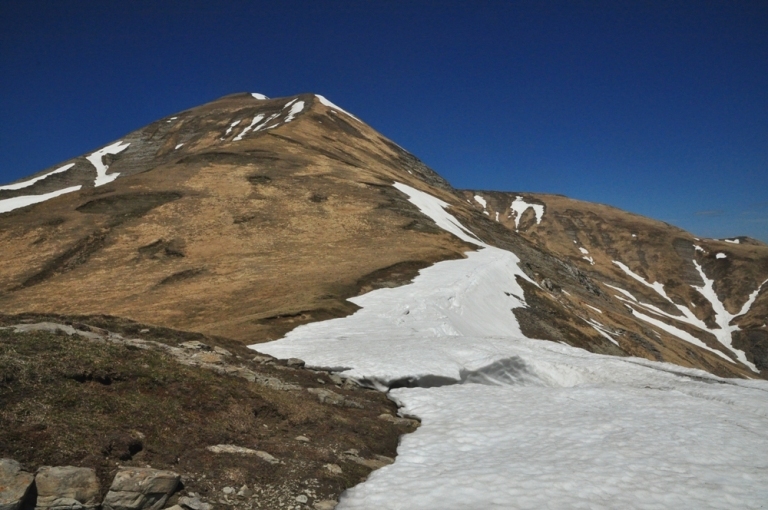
511 422
331 105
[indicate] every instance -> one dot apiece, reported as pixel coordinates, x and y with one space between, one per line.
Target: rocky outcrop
140 489
15 484
66 488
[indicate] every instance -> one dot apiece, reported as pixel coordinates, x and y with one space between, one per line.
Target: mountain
248 216
539 338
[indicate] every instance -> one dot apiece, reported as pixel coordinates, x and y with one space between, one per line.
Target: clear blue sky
659 108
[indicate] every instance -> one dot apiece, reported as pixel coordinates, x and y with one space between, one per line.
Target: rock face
140 489
66 488
15 484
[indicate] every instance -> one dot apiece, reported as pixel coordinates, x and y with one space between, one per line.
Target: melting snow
256 95
732 241
595 309
519 206
586 256
724 331
295 109
720 256
255 121
25 184
509 422
178 146
97 161
699 248
9 204
480 200
331 105
231 127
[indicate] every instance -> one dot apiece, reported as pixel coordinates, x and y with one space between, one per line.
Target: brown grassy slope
241 239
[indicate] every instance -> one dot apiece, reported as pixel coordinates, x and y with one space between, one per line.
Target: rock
330 397
230 448
245 492
294 362
195 345
222 351
262 359
228 490
140 489
269 458
194 503
326 504
336 379
399 421
14 484
66 488
333 468
301 498
303 439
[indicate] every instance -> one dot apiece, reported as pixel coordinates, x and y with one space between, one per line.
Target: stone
14 484
301 498
222 351
333 468
294 362
140 489
303 439
265 456
230 448
195 345
399 421
66 488
228 490
336 379
326 504
245 492
194 503
333 398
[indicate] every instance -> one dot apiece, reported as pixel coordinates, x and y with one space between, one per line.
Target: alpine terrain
235 291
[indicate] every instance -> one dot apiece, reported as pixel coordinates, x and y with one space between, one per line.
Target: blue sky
659 108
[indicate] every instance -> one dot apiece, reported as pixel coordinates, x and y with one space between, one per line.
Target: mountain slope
248 216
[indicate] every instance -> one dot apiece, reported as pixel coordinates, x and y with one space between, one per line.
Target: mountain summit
249 216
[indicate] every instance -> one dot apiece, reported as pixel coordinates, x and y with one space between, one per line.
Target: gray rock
194 503
66 488
228 490
245 492
336 379
399 421
333 398
301 498
333 468
195 345
326 504
14 484
140 489
295 362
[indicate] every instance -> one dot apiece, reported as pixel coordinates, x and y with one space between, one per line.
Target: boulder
15 484
140 489
66 488
194 503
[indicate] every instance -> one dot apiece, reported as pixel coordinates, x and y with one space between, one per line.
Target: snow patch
519 206
231 127
25 184
720 256
9 204
178 146
244 132
295 110
732 241
331 105
97 161
256 95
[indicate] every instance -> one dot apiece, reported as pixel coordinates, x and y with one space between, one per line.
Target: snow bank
256 95
510 422
97 161
26 184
